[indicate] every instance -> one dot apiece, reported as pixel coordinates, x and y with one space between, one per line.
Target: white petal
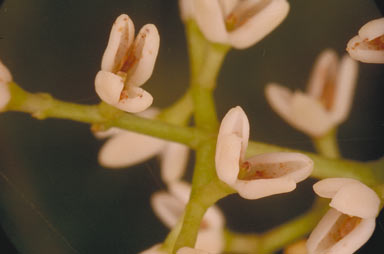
187 250
180 190
108 133
263 187
344 90
309 115
323 240
263 21
154 250
136 100
356 199
228 158
361 50
129 148
174 160
120 39
328 187
280 99
299 110
227 6
210 19
186 9
143 56
149 113
5 74
167 207
356 238
372 29
210 240
325 67
236 122
109 87
5 95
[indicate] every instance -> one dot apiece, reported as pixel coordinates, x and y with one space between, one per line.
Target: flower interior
342 227
267 170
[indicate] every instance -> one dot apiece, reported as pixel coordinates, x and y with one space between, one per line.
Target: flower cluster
127 64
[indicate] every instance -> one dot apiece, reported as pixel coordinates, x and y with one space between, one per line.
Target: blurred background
55 198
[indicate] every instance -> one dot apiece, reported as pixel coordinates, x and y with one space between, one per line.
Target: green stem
207 189
180 112
42 106
327 144
206 59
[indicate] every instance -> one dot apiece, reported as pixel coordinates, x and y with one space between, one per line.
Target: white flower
127 64
368 45
327 101
126 148
262 175
169 208
240 23
187 250
5 78
351 220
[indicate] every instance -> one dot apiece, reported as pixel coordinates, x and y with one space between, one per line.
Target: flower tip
368 45
5 78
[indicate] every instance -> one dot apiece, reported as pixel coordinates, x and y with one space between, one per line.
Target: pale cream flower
187 250
327 101
5 78
169 208
351 220
125 148
262 175
368 45
240 23
127 64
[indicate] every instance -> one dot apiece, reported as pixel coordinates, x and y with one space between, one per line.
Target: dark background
54 196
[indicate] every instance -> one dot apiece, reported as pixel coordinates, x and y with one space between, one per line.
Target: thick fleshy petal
228 158
356 199
344 90
328 187
349 196
5 74
187 250
337 233
129 148
210 240
187 9
167 207
372 29
236 122
143 56
309 115
174 159
134 100
324 72
263 187
368 46
299 110
258 19
120 40
109 87
209 17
